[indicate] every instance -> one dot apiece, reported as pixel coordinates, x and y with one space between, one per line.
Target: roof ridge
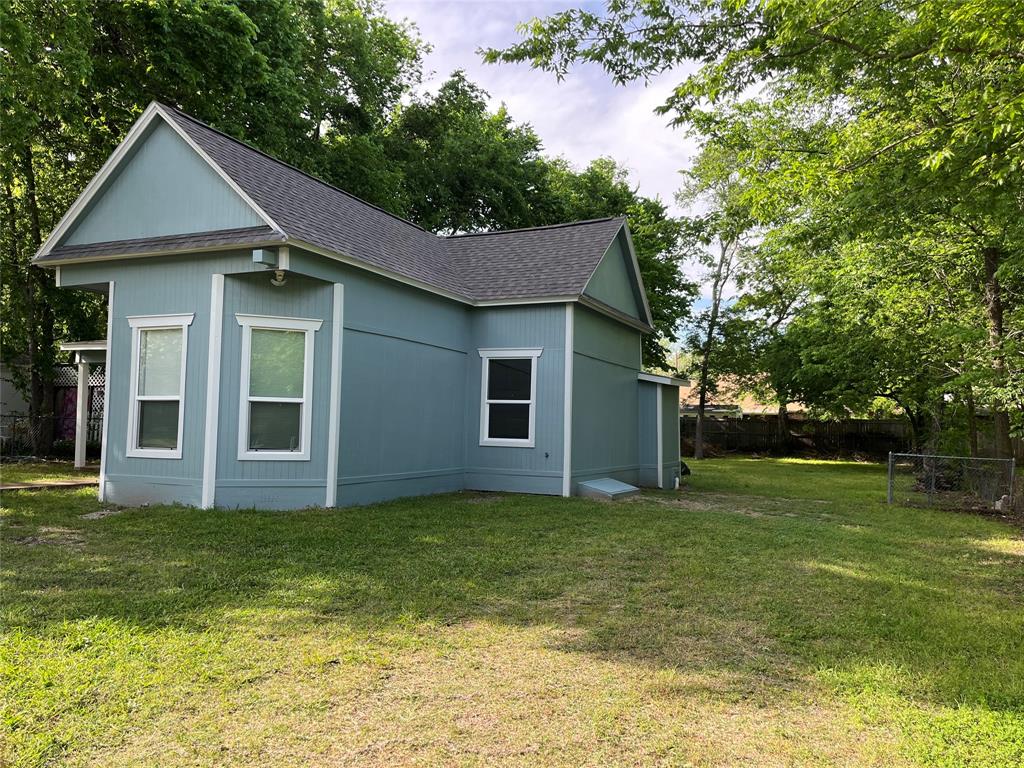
317 179
531 229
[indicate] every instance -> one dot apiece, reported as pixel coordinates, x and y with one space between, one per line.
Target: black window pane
274 426
509 422
158 424
509 379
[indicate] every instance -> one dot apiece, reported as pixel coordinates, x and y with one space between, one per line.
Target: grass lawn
774 613
42 472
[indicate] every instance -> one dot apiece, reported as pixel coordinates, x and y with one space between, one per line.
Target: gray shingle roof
195 241
514 264
532 263
543 262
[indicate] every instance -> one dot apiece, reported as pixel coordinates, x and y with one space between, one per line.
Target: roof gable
553 263
161 187
616 283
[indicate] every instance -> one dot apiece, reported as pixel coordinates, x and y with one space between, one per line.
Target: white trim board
213 363
334 410
567 404
104 445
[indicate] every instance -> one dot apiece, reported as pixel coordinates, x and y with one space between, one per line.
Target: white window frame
138 324
486 355
273 323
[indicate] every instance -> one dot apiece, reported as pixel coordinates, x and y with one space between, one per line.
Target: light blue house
275 342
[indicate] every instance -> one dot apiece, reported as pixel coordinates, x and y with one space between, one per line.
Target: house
275 342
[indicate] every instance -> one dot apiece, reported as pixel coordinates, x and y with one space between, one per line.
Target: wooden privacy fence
761 434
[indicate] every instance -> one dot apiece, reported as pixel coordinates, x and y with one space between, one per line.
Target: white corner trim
213 364
217 169
567 404
284 260
56 277
106 393
661 441
334 411
139 323
486 355
275 323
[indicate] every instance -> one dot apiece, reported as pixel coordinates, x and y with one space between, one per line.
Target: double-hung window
275 417
508 385
157 396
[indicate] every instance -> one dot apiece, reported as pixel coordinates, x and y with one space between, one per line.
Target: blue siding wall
605 429
537 469
272 484
403 386
410 386
670 435
649 394
614 283
648 447
157 286
189 196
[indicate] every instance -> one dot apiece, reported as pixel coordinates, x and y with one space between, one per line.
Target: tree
917 134
602 189
78 73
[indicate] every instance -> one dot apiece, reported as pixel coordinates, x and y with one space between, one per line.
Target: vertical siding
163 188
648 440
605 430
403 387
613 282
670 435
272 483
537 469
156 286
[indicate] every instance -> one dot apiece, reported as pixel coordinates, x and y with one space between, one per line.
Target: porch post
81 412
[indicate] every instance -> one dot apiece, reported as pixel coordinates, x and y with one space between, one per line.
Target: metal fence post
891 467
1013 483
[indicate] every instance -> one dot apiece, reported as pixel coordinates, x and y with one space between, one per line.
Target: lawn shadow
772 598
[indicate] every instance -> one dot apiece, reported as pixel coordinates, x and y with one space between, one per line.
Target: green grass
774 613
43 472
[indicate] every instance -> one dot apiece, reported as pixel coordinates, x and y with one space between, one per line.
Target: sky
583 117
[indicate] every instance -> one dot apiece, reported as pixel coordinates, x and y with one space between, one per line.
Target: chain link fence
954 482
47 436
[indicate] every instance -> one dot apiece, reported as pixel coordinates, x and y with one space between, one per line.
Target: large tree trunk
40 325
994 307
972 423
782 428
722 269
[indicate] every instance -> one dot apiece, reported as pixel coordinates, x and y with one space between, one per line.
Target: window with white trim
508 385
157 391
276 416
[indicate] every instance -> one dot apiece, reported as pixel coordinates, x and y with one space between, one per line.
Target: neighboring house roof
540 263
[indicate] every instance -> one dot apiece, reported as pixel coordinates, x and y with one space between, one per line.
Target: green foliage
325 85
882 148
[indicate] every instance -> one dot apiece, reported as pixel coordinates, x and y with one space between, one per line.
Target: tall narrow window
275 417
157 398
508 382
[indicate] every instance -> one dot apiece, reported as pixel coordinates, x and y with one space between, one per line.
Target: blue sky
583 117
